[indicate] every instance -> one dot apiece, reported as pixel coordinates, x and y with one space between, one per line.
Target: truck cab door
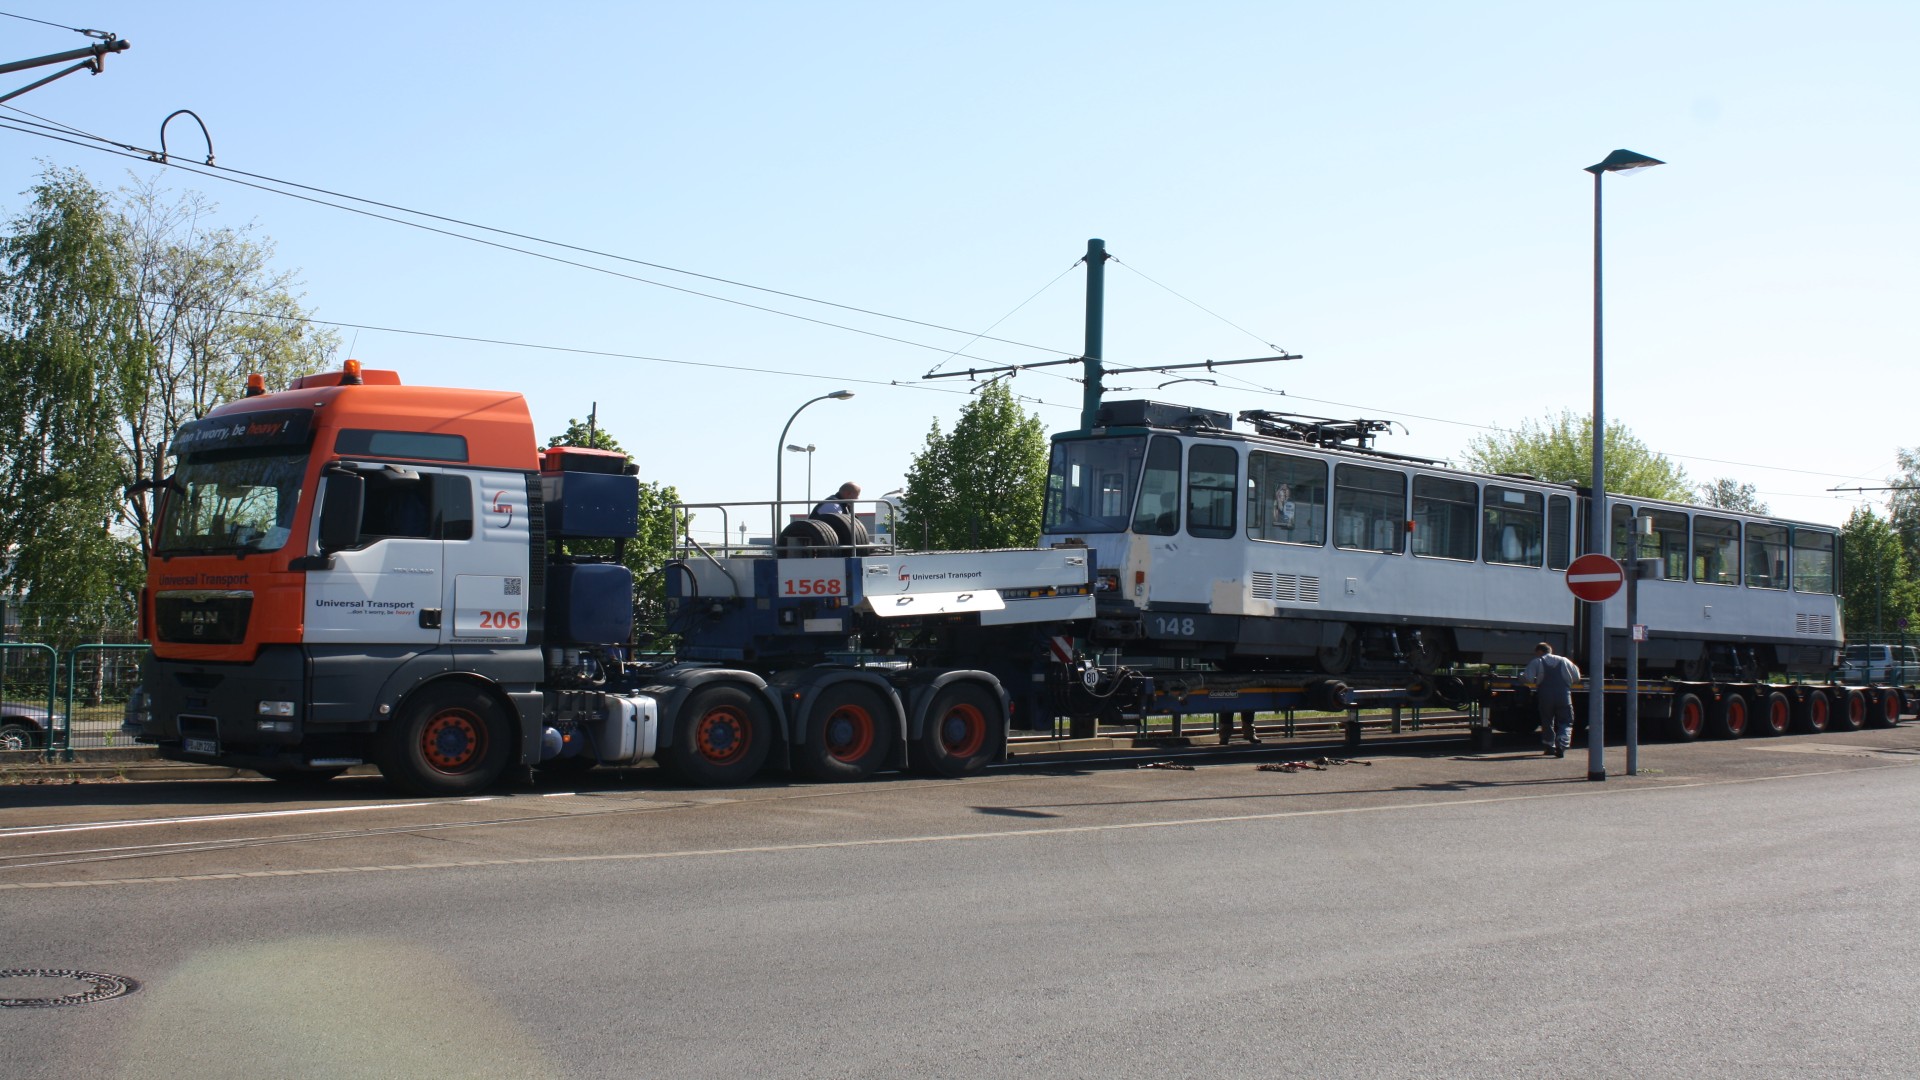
387 586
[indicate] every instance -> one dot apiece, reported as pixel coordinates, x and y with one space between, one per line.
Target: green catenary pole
1096 314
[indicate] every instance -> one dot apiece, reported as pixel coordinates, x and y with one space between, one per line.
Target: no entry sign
1594 578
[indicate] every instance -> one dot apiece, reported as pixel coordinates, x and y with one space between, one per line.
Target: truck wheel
959 737
1851 715
1688 719
1814 712
1775 715
721 737
849 734
18 737
448 740
1729 717
1884 708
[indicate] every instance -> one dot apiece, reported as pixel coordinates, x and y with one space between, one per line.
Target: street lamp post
807 450
780 457
1618 161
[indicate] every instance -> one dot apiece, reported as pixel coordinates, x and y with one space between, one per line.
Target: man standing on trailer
842 501
1552 678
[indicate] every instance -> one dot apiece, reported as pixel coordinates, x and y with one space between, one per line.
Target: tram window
1513 523
1159 511
1089 484
1716 551
1812 561
1443 517
1213 489
1766 556
1622 532
1559 532
1286 498
1369 508
1667 542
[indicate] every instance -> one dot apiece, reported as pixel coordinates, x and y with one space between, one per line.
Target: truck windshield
231 503
1091 482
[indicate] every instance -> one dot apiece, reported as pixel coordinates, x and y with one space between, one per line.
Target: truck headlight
276 708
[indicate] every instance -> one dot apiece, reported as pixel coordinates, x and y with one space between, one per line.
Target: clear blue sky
1394 190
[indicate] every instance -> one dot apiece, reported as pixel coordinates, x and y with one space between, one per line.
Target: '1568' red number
813 587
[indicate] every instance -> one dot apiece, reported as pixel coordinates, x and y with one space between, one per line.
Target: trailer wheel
1688 719
1884 708
448 740
1335 659
849 734
958 739
1775 715
721 737
1729 717
1851 714
1813 713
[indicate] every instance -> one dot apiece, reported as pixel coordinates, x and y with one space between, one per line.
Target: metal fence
53 704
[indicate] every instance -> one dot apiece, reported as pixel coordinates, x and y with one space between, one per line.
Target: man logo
501 506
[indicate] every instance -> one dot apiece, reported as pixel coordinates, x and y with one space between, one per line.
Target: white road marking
92 826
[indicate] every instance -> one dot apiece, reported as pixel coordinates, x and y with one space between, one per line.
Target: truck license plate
209 747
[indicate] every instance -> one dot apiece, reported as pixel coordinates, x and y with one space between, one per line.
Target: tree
646 554
212 310
1730 494
70 351
984 485
1903 505
1560 449
1876 589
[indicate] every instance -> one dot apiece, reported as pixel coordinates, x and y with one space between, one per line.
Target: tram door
1198 547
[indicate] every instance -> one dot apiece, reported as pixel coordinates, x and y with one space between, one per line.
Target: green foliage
1876 588
1560 449
650 551
213 310
69 352
1903 505
1729 494
984 485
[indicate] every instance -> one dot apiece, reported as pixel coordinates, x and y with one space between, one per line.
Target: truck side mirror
340 508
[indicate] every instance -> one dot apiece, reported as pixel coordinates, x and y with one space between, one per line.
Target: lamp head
1624 161
800 449
841 395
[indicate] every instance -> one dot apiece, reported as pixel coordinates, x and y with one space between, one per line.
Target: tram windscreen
1091 483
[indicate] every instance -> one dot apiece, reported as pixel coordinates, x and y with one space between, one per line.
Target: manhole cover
93 986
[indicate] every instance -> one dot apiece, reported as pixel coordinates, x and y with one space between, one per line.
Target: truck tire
721 736
1688 719
447 740
1851 713
850 734
1728 718
1884 706
1813 713
1774 716
959 737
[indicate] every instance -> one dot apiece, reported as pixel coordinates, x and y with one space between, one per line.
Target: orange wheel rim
454 740
1736 715
723 735
1690 717
963 731
1817 713
1778 715
849 733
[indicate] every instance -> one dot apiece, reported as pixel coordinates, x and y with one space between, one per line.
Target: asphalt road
1741 909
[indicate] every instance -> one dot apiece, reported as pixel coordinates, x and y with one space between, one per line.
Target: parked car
1895 665
24 726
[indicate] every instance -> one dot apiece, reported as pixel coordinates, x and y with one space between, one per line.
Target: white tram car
1298 546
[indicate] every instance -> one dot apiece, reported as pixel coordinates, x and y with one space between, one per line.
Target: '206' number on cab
499 620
